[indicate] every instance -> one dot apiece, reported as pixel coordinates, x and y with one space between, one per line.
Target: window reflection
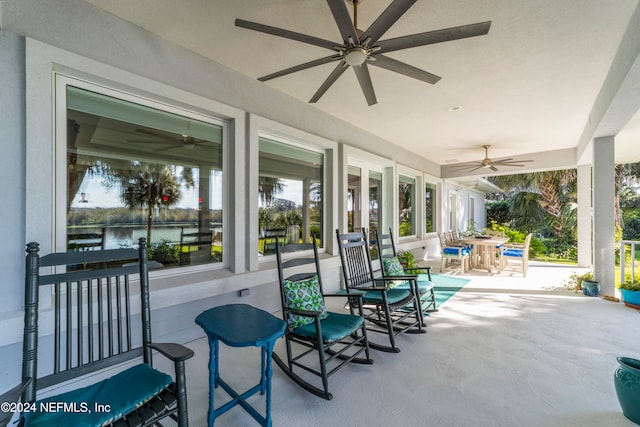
135 171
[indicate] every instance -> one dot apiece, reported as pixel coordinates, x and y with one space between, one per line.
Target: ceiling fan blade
437 36
386 19
493 168
343 19
404 68
337 72
156 134
511 162
364 78
467 165
301 67
280 32
149 141
476 168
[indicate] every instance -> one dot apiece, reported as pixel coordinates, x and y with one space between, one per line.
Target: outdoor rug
446 286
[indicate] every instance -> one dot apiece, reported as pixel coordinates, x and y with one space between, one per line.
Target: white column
603 213
585 232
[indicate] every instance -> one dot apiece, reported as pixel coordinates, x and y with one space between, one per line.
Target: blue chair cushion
512 253
123 392
455 251
334 327
393 296
304 295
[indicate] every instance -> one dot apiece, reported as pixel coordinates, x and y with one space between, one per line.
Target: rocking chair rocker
338 338
390 311
403 276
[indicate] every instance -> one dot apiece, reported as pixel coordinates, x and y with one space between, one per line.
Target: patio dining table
484 252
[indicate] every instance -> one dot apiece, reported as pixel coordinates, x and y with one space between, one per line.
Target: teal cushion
334 327
393 296
123 393
423 286
304 295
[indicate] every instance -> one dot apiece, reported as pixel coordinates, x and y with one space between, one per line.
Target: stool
240 325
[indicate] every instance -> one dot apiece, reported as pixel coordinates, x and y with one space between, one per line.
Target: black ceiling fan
362 48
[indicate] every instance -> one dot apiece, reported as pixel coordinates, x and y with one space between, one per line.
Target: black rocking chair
402 276
390 311
338 338
93 314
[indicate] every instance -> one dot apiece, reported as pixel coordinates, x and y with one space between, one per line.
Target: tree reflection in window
137 171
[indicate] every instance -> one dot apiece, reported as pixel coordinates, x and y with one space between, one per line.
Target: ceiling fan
183 140
491 164
359 49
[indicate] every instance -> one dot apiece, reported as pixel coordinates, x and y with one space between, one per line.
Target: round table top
241 325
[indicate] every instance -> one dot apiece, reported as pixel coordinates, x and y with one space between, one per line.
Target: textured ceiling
528 86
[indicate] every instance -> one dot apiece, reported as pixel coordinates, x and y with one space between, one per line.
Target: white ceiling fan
488 163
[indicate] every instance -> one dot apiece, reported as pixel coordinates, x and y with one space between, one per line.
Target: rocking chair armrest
418 270
353 295
401 277
173 351
305 313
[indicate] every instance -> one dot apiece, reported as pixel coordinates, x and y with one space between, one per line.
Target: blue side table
240 325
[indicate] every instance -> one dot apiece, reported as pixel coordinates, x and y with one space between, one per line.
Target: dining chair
516 256
451 254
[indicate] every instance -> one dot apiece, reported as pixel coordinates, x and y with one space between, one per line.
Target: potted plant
407 259
630 293
584 282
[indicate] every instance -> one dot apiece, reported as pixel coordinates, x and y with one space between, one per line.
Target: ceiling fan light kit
362 48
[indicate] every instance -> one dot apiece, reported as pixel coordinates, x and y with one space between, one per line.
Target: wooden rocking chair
389 310
92 316
338 338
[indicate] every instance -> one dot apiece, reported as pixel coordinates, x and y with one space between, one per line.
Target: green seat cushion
334 327
393 296
123 393
303 295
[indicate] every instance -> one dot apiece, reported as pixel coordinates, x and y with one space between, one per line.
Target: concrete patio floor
504 351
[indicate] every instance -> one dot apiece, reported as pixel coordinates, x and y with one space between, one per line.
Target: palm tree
267 187
149 186
556 189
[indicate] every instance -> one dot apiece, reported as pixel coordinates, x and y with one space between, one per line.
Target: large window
406 205
290 195
138 170
430 207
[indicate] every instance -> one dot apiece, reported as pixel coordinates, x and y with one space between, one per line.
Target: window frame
62 81
302 146
368 162
418 202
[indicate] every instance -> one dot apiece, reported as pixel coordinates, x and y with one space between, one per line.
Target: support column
585 232
603 213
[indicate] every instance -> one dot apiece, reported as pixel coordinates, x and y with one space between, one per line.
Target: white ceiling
528 86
